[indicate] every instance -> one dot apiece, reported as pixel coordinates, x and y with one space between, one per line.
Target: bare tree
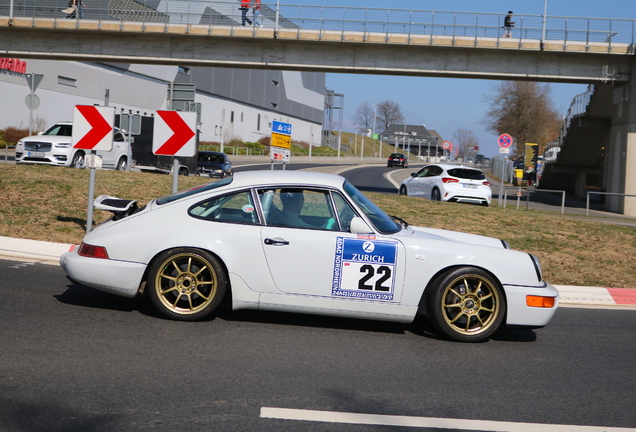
364 116
465 141
525 111
388 114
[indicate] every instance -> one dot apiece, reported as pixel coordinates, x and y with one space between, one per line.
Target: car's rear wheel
435 195
466 304
186 284
183 171
121 164
78 160
403 190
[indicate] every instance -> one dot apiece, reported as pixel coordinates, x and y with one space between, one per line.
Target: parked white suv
53 147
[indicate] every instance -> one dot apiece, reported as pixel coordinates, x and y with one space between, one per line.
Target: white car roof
291 178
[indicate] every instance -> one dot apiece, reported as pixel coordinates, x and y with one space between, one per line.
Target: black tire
403 191
466 304
121 164
183 171
78 160
186 284
435 195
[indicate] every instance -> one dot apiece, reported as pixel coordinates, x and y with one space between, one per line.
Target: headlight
537 266
20 143
62 145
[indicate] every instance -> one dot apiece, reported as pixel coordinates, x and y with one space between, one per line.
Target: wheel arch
422 308
228 291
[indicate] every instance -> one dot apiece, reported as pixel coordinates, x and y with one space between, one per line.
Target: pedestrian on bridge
257 10
508 25
245 6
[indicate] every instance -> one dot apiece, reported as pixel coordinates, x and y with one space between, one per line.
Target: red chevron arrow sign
93 127
174 133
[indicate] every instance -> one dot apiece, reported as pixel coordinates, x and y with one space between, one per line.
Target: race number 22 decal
364 268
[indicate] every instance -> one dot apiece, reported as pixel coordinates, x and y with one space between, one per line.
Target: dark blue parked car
214 164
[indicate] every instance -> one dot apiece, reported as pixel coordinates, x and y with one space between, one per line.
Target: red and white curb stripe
584 295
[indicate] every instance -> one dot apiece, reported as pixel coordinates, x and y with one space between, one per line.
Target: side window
434 171
119 137
423 172
237 208
345 212
298 208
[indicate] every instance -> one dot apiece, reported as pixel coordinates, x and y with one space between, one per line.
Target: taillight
449 180
91 251
486 184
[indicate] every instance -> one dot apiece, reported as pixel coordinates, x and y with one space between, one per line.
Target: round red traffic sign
447 145
504 140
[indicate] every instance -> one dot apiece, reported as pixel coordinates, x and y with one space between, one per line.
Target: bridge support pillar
620 157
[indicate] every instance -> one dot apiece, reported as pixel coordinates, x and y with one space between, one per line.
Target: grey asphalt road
75 359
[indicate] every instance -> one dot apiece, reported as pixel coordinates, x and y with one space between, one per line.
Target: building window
231 116
276 83
184 70
258 122
241 117
72 82
274 105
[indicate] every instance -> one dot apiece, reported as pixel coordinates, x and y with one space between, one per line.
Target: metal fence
342 19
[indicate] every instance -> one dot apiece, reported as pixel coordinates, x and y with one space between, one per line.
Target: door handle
276 241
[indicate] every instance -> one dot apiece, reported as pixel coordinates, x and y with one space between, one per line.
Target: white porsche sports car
312 243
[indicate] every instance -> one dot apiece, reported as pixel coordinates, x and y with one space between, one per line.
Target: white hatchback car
54 147
306 242
455 183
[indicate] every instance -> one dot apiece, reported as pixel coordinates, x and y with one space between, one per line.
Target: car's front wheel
403 190
186 284
78 160
466 304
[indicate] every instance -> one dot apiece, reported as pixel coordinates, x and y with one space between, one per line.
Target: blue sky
446 104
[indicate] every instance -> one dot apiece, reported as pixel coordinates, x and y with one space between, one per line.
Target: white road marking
428 422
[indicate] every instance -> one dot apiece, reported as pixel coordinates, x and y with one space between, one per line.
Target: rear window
468 174
396 155
193 191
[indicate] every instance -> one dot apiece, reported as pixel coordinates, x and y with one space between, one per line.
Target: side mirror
413 174
359 226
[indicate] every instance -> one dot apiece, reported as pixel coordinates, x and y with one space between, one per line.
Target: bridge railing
344 19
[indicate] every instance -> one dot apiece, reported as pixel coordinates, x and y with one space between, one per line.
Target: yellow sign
280 140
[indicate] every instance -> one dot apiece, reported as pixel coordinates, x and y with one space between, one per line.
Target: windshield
213 158
382 222
60 130
193 191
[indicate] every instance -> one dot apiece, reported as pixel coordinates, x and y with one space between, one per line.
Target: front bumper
520 314
117 277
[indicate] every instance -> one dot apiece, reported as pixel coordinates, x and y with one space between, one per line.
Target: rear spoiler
120 208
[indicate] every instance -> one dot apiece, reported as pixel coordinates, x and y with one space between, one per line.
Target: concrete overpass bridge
355 40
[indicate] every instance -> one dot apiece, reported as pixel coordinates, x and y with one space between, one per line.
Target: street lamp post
375 115
545 10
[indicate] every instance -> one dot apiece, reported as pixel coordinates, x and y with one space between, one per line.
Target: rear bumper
117 277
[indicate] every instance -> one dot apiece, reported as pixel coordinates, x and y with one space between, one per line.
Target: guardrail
530 192
343 19
587 205
6 152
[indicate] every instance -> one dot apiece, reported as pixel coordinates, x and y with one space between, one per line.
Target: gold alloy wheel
186 283
470 304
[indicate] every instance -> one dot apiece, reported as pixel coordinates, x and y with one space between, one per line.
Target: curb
569 295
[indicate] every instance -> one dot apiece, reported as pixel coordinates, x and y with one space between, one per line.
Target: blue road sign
281 128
